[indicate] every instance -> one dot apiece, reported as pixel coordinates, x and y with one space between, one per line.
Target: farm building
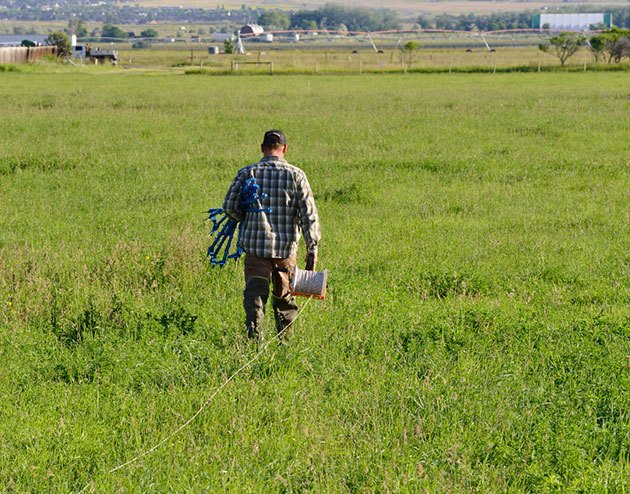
261 38
289 37
222 37
570 22
97 56
251 30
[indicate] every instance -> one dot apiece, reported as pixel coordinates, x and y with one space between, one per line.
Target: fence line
24 54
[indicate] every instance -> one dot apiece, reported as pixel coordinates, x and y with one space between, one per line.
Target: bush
141 44
113 32
62 42
563 46
612 45
149 33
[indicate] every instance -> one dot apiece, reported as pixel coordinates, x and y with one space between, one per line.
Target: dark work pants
259 272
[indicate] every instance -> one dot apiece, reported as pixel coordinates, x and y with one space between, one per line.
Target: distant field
476 333
303 59
406 7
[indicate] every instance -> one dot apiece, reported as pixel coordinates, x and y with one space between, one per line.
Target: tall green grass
475 337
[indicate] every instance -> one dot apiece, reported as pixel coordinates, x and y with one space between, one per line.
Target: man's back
271 226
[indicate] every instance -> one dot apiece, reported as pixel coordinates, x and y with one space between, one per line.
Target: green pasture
476 333
339 58
357 56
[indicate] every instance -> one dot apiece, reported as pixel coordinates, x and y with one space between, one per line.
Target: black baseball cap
274 138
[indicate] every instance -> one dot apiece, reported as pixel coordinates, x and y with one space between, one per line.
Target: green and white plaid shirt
289 195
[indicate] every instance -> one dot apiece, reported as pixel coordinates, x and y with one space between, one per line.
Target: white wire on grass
210 398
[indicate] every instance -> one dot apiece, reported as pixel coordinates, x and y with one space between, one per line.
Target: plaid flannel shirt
275 233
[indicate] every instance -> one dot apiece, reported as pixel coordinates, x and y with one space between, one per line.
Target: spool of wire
309 283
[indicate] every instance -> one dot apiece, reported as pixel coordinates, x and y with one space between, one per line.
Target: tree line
112 13
612 45
329 16
337 17
475 22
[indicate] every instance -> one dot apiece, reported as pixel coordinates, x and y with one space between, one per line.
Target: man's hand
311 261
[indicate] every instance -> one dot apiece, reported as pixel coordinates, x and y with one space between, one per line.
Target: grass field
340 60
476 336
344 61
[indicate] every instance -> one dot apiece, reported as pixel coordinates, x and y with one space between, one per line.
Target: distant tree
81 29
563 46
141 44
331 16
77 27
410 46
111 18
445 21
149 33
62 42
306 24
110 31
424 22
621 49
274 19
612 45
228 46
408 51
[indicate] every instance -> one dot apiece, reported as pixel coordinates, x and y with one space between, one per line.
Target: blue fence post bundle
250 195
225 227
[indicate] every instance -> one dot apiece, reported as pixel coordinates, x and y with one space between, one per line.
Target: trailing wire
225 228
207 402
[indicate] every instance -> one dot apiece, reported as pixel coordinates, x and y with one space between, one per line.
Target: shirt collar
273 159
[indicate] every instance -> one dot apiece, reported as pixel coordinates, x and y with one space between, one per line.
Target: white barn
570 22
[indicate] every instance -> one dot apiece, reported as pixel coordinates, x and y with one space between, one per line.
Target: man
270 230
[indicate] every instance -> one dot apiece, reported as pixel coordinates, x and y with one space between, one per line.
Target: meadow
358 58
476 333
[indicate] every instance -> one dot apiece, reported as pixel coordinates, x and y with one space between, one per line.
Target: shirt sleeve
231 203
308 214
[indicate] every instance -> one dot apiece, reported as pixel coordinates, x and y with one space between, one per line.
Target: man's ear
284 149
